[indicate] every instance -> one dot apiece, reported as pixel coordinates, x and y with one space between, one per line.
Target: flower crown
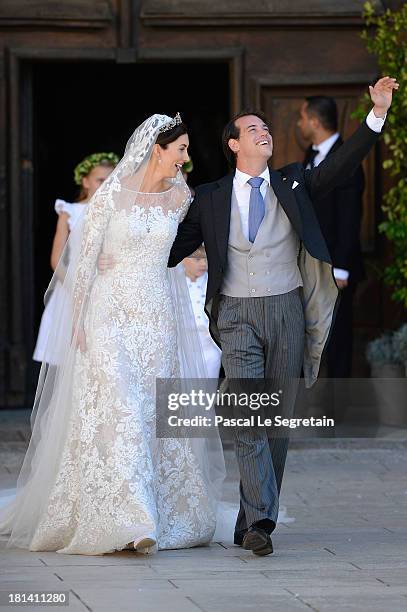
169 126
91 161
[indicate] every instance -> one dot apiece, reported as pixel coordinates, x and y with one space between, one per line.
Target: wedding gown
116 482
95 476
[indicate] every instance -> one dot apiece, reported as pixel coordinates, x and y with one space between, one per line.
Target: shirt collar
199 282
326 145
241 177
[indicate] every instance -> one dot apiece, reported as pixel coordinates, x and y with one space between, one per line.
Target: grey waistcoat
269 265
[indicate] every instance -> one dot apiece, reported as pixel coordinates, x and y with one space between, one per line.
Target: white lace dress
43 350
116 482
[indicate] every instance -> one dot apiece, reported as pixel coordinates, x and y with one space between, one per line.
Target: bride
96 478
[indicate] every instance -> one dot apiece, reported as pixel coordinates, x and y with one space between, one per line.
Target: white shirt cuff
341 274
375 123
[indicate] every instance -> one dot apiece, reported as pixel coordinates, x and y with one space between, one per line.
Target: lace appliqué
117 482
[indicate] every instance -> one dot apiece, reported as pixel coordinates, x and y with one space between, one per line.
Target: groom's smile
254 139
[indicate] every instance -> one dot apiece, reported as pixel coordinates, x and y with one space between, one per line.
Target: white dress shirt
375 123
197 292
242 191
211 351
323 148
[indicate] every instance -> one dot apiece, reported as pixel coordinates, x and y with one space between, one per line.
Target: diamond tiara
169 126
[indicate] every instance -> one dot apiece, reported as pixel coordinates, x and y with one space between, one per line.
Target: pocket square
295 184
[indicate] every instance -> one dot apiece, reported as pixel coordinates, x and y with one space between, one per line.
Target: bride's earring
159 160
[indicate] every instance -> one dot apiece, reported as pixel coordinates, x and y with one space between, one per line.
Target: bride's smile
166 161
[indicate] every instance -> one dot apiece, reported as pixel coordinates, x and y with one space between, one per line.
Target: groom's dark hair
232 131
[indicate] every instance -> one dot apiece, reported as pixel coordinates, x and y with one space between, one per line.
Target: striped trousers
262 338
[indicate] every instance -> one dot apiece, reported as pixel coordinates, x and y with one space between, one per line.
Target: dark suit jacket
208 221
339 215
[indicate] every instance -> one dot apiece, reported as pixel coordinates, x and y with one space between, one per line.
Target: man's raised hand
381 95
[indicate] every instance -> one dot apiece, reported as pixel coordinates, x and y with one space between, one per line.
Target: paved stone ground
346 549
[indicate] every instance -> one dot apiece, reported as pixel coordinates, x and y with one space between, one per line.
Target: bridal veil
77 269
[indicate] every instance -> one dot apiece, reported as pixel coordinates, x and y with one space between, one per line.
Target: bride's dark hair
165 138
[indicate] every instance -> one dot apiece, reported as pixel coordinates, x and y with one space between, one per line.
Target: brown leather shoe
238 537
258 541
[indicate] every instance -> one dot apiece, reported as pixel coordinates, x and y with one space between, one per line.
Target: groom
271 292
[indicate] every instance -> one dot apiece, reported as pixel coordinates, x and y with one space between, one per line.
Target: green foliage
91 161
386 38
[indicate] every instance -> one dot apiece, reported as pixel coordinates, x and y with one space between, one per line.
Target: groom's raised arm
340 165
189 235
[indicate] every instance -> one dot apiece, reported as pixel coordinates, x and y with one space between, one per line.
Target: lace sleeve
185 199
93 233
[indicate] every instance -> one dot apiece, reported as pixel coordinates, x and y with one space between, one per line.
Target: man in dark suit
339 214
271 292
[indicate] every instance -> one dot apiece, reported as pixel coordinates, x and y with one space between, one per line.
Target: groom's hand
105 262
381 95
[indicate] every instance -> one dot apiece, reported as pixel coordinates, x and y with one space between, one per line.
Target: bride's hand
81 341
79 338
105 262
